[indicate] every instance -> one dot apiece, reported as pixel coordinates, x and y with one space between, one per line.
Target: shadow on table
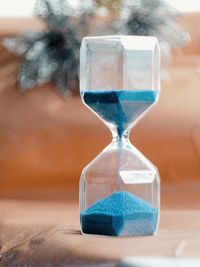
40 246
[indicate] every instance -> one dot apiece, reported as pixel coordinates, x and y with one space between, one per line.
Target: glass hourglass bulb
119 82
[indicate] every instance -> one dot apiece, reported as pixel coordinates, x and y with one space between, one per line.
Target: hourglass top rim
147 41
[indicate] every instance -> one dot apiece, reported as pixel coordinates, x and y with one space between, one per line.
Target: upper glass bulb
119 77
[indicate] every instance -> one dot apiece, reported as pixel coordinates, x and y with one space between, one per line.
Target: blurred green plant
52 54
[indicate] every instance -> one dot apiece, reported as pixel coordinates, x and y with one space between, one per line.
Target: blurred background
47 136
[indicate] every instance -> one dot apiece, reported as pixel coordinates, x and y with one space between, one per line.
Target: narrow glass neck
122 138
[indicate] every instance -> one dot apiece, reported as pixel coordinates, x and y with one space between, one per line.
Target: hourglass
119 82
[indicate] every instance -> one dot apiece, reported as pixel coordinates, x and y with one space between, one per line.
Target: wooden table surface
46 233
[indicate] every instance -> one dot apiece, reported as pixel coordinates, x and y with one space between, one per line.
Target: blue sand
122 213
120 107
